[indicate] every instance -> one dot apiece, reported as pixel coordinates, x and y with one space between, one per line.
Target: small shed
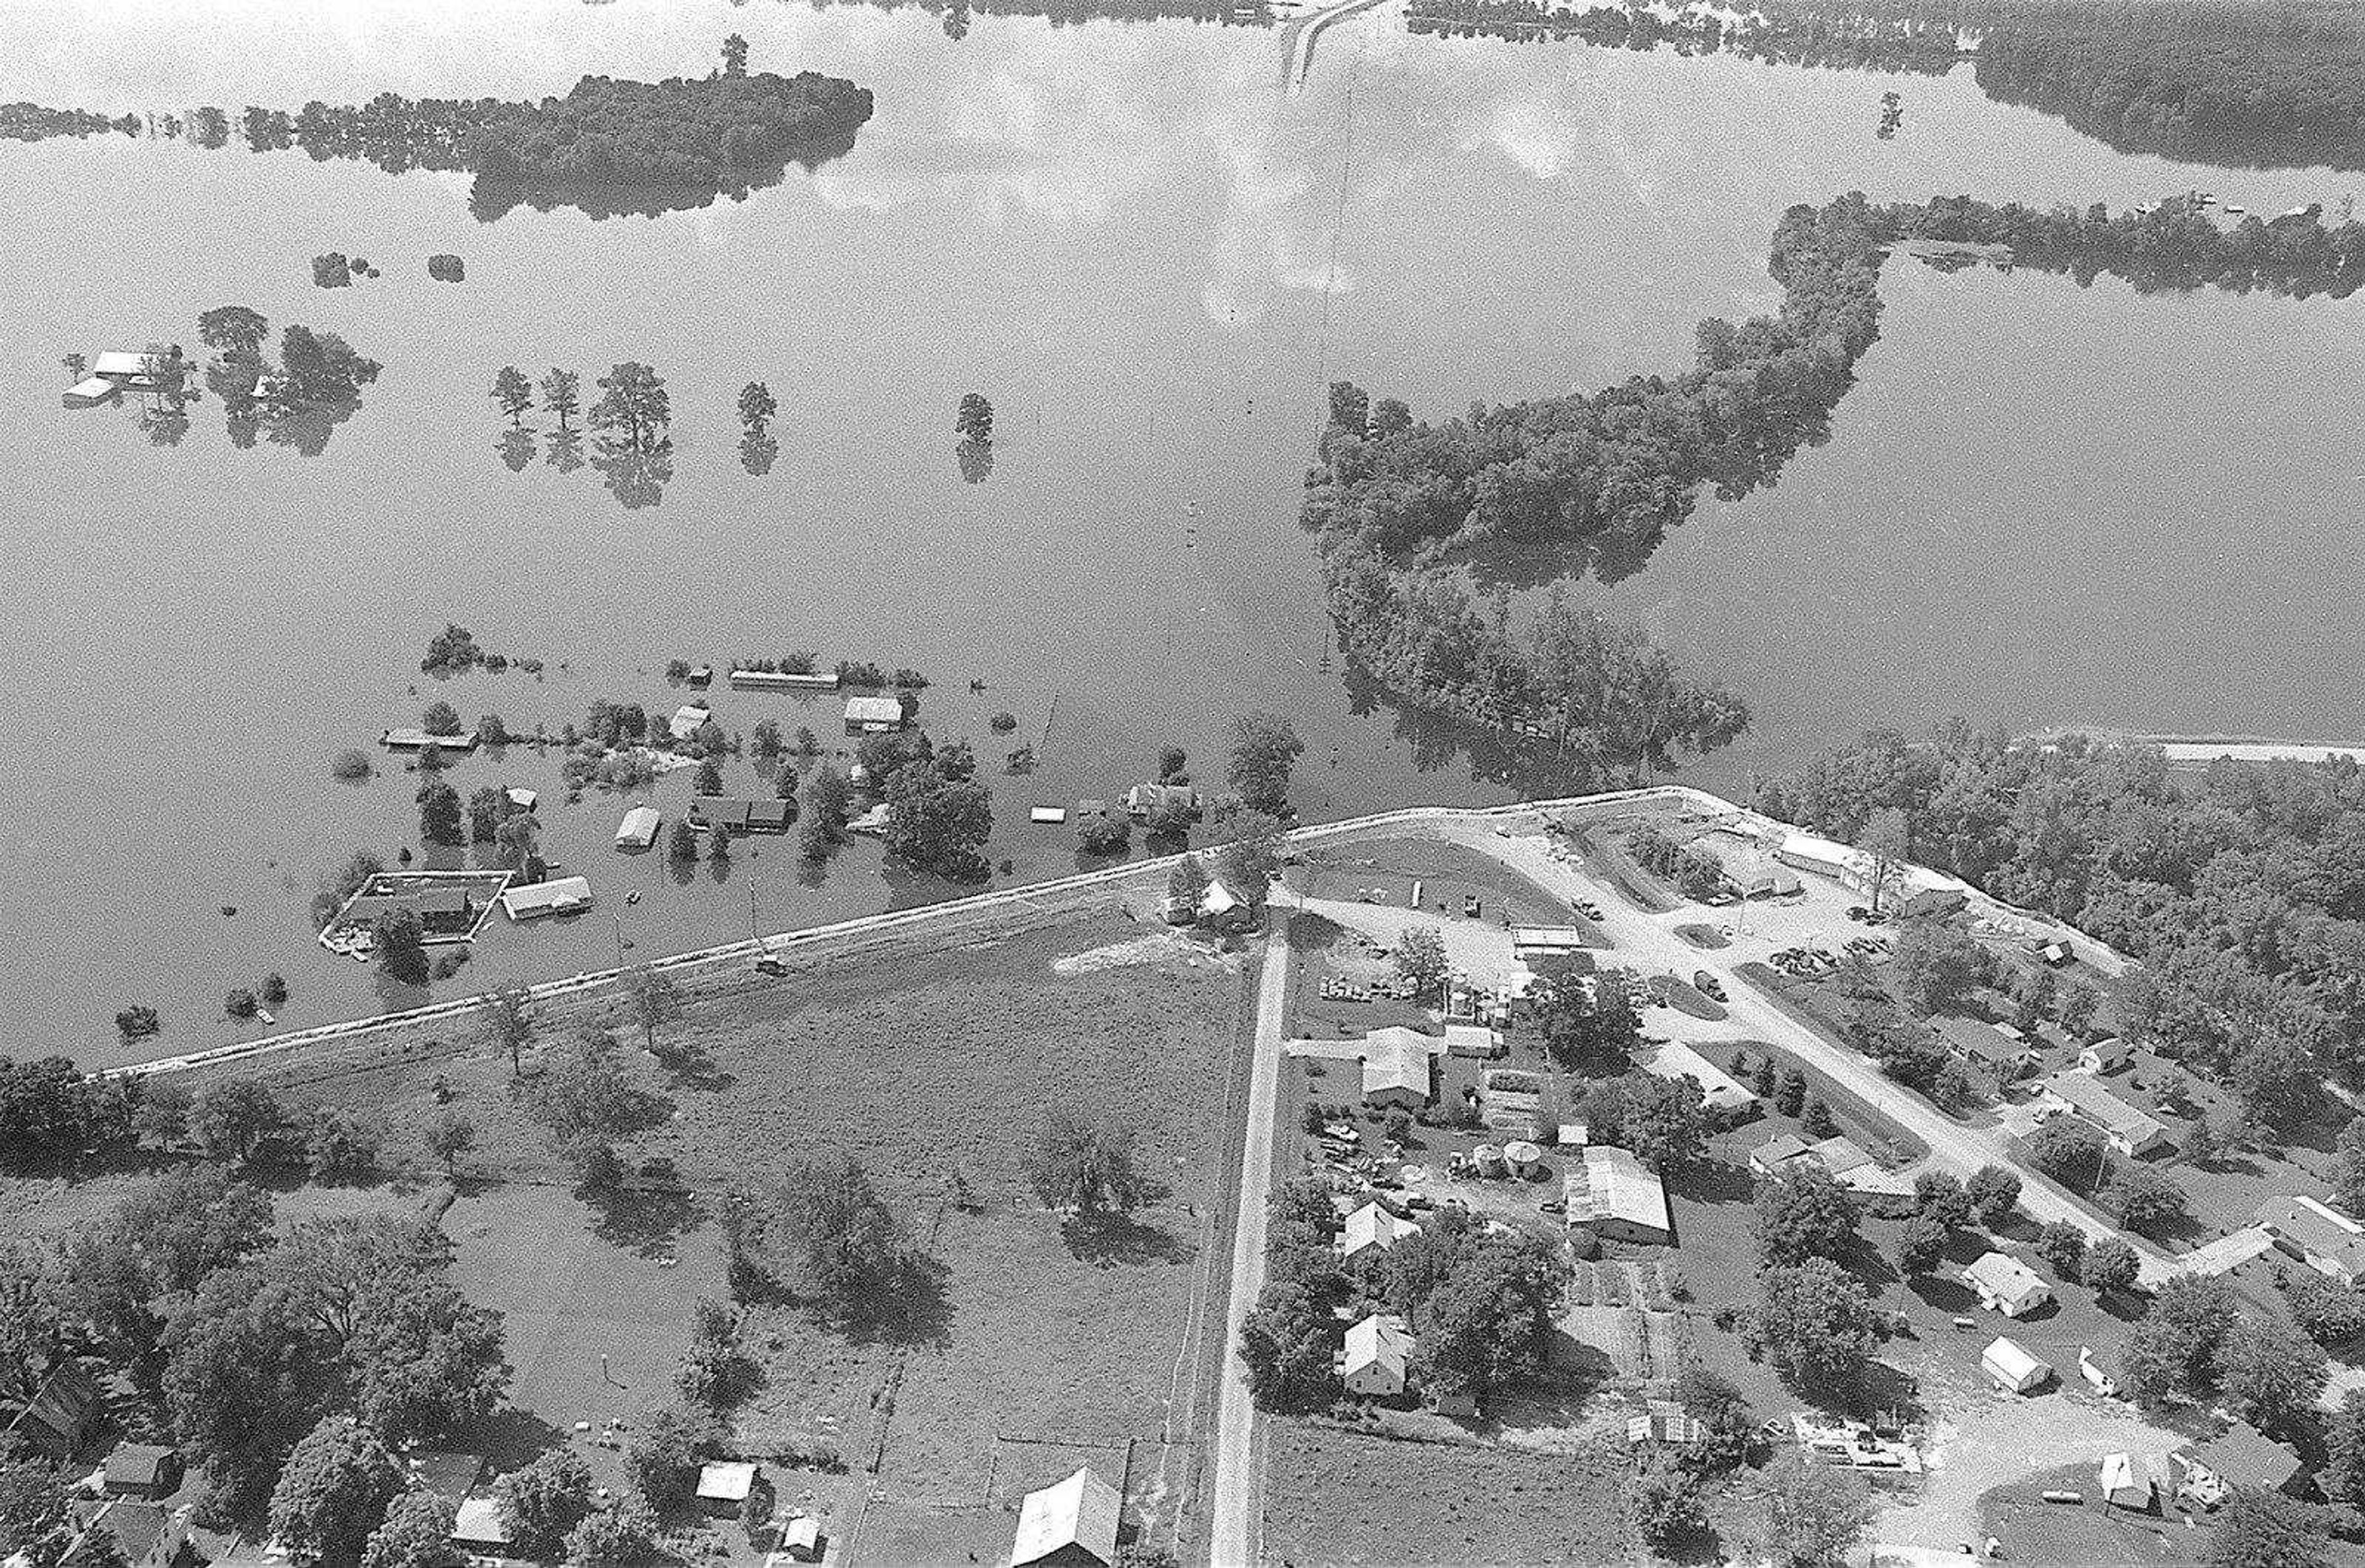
2011 1365
1046 816
801 1537
639 828
520 797
687 720
148 1470
723 1484
873 715
1070 1525
91 391
2105 1055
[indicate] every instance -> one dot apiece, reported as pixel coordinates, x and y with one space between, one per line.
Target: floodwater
2041 504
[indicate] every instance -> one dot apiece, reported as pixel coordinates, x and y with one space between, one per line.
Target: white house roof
119 362
554 897
1218 899
2011 1359
1372 1226
1379 1339
1613 1184
2084 1094
687 720
873 710
479 1519
1718 1089
2004 1277
639 826
1079 1511
521 796
727 1481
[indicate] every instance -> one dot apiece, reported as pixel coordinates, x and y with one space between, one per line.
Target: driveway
1235 1519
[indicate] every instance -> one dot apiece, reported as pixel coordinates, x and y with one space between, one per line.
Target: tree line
2240 891
1593 482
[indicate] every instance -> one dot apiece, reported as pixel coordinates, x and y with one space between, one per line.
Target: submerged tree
513 393
562 393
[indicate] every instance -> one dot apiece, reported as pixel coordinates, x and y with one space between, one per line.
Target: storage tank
1488 1160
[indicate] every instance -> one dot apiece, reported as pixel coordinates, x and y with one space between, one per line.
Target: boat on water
268 1016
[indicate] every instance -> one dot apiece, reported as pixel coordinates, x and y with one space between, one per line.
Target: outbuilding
2009 1363
478 1529
1072 1524
801 1537
723 1485
150 1472
1378 1352
561 895
687 720
639 828
1372 1228
873 715
1618 1197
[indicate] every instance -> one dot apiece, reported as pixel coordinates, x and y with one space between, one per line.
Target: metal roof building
1617 1195
563 895
1070 1525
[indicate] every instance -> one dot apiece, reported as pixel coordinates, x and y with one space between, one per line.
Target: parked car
1553 1205
1708 986
769 965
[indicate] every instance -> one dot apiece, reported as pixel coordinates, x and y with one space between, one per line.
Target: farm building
2003 1283
723 1485
639 828
2239 1456
1726 1098
2325 1240
1984 1045
1666 1422
2106 1054
801 1537
562 895
58 1420
2011 1365
1531 941
687 720
1473 1040
1378 1350
1615 1195
873 715
1143 799
1371 1227
1746 868
777 680
147 1471
419 740
2130 1131
707 812
2136 1481
1398 1063
447 910
1070 1525
1851 869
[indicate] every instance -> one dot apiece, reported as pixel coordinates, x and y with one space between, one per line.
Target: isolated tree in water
514 392
561 394
633 407
734 56
975 419
401 953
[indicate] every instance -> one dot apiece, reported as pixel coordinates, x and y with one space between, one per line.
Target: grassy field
925 1060
1355 1499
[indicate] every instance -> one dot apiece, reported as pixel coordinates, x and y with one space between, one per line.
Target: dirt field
1340 1498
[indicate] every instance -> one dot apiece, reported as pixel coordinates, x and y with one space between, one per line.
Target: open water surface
2040 504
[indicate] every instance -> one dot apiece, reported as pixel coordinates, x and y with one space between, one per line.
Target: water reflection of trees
976 459
516 447
757 452
636 473
565 451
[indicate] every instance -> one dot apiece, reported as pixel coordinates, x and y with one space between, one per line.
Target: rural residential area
1634 1178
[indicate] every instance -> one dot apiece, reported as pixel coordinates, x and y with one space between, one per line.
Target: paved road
1236 1522
1649 943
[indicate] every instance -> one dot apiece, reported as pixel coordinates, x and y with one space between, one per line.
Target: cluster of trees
1479 1303
826 1236
2242 892
50 1111
630 425
729 132
453 650
253 1342
2195 1342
